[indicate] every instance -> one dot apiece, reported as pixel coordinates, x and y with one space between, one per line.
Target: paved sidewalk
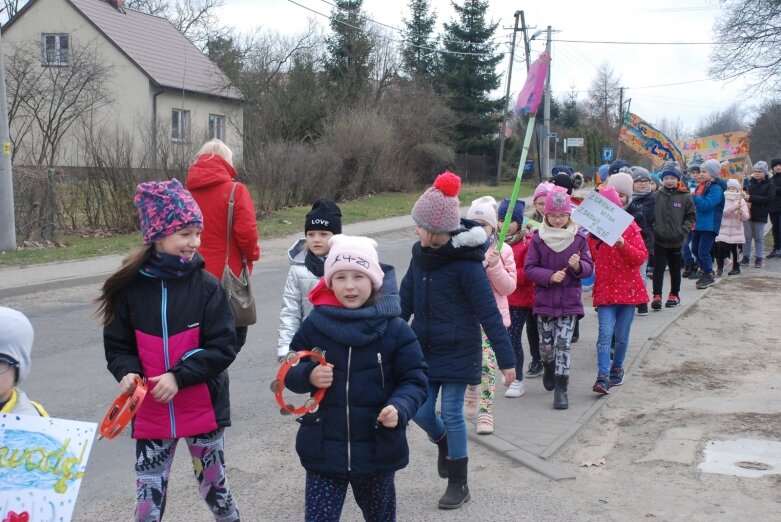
527 429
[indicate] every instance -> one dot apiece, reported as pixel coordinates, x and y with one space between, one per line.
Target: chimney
119 5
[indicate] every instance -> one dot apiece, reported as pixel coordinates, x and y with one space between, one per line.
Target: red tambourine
292 359
121 411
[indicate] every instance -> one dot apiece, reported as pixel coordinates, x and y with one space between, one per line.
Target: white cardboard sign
42 462
602 217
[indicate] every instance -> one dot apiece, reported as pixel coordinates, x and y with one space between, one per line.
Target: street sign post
607 154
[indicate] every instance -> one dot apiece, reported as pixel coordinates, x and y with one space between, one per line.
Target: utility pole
545 168
7 223
506 100
620 118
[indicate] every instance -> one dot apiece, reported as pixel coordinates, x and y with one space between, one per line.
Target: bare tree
766 132
672 128
748 41
731 119
386 61
45 102
603 98
196 19
8 8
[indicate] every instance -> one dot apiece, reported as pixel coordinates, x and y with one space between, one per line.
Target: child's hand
322 376
574 262
509 376
128 383
493 258
558 277
389 416
620 242
166 387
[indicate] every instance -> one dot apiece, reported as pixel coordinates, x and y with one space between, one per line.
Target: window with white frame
56 49
216 127
180 125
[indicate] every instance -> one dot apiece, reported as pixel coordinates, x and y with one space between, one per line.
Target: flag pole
517 187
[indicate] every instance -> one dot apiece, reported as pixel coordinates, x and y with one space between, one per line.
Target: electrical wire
616 42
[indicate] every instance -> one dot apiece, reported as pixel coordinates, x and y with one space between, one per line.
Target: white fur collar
471 237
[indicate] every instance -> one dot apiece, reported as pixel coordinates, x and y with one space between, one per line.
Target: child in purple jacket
557 260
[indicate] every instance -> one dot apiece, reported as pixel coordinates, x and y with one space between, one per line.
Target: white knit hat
16 339
484 209
353 253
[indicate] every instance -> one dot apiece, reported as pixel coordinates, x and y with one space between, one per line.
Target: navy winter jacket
447 291
710 206
377 361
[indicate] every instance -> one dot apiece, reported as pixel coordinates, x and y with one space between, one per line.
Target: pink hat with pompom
611 194
438 209
558 201
542 190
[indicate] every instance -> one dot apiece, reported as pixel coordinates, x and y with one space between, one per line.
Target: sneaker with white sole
485 424
516 389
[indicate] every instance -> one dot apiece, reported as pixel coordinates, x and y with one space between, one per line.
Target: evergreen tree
348 63
419 58
468 75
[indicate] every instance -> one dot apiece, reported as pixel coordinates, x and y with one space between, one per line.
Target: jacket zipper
382 372
165 353
347 405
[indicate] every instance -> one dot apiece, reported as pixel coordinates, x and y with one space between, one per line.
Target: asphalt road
69 377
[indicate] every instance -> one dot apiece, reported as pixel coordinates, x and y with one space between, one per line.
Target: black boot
687 271
442 457
560 401
457 491
547 375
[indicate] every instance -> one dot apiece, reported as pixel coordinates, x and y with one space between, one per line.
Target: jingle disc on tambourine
121 411
278 386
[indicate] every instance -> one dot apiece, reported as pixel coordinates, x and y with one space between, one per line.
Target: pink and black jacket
179 323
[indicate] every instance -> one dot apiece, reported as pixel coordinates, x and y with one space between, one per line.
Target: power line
404 41
631 43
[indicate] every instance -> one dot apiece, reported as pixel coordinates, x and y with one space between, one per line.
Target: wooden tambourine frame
278 386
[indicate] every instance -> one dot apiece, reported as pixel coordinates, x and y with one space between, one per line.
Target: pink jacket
735 213
502 277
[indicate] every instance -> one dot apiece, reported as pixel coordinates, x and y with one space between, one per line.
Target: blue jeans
702 243
614 320
754 231
688 257
451 420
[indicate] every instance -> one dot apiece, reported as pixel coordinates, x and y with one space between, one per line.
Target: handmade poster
42 462
729 146
641 137
602 217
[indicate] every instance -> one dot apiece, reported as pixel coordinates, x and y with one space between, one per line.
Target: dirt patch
712 375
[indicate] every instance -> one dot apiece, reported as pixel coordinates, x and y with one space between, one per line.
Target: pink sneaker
485 424
470 401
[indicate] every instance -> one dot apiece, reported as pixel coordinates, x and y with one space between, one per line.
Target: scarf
167 266
358 326
315 264
558 239
732 195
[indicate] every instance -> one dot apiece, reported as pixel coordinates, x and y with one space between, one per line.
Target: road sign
574 142
553 134
607 154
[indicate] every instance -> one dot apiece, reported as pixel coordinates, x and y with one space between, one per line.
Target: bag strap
230 222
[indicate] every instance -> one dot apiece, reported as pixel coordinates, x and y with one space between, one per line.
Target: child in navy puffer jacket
376 381
447 290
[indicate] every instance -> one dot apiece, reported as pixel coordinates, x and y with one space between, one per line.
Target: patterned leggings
374 494
486 390
153 467
555 336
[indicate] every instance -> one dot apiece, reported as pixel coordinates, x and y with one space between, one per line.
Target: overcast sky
574 64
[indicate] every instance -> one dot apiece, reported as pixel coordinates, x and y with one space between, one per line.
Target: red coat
618 279
210 180
523 296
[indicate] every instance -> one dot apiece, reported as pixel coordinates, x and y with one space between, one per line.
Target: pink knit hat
353 253
484 209
558 201
165 207
438 209
542 190
611 194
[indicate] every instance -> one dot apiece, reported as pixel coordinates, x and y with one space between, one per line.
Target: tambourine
121 411
292 359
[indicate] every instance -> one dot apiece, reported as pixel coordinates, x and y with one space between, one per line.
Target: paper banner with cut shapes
42 463
641 137
729 146
602 217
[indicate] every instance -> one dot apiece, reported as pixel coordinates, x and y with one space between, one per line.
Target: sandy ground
713 375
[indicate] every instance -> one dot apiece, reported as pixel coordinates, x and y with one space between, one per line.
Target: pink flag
530 96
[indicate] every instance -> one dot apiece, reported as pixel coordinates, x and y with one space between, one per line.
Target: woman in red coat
210 180
618 289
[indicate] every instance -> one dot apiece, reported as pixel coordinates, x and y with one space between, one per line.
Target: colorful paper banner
641 137
729 146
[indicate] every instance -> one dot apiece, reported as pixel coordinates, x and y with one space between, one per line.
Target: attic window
56 49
